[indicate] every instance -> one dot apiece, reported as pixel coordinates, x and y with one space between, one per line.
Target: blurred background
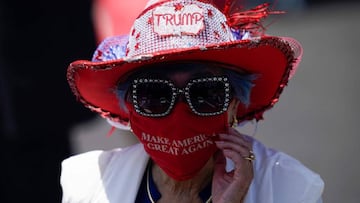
41 123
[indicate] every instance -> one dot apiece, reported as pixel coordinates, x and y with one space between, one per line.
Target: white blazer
115 176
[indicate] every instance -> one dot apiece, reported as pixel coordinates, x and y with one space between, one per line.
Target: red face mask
181 143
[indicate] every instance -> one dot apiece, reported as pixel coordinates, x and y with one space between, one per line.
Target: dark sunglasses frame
176 91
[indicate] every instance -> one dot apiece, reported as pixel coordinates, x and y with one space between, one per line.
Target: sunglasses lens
208 97
153 98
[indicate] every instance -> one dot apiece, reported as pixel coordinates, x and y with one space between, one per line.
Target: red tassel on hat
241 19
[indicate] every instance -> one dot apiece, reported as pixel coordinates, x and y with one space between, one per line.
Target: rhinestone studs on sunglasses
205 96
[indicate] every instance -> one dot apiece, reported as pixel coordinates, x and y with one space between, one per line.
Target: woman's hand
232 187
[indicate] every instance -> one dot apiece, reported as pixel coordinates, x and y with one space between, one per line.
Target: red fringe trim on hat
250 20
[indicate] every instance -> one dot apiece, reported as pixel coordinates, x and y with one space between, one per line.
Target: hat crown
177 24
189 30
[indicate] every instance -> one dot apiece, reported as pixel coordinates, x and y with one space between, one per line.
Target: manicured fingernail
219 142
223 135
226 152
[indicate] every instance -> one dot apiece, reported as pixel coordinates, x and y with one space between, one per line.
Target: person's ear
232 112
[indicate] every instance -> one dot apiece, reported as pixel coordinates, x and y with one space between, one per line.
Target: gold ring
251 156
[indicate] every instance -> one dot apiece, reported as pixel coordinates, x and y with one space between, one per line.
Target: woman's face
178 115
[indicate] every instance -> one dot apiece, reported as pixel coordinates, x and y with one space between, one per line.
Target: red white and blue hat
177 30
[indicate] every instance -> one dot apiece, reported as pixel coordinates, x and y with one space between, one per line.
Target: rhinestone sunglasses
207 96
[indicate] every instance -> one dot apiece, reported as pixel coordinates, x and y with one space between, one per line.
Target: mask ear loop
255 128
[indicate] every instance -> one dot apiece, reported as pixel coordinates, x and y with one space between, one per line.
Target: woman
188 71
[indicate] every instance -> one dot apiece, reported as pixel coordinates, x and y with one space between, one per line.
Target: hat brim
270 58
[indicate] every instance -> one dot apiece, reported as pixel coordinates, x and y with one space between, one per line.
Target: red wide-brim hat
273 59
